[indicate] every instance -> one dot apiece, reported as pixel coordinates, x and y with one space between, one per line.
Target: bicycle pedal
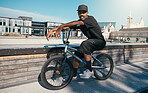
58 72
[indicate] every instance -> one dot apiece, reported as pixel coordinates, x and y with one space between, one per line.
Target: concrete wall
20 69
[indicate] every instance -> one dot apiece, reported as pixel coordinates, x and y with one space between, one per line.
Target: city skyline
65 10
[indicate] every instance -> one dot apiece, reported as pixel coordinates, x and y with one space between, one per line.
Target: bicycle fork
62 64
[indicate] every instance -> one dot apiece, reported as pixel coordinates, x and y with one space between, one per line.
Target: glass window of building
9 23
21 23
15 22
24 23
4 22
23 30
9 29
0 21
6 29
26 30
28 23
13 29
19 31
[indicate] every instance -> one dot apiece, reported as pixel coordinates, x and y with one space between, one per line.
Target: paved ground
125 78
40 42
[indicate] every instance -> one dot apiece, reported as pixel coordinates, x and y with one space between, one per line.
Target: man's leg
88 61
76 63
75 66
87 57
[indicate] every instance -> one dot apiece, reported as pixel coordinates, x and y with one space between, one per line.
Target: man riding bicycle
90 28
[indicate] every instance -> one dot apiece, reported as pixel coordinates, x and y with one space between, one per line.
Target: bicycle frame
67 50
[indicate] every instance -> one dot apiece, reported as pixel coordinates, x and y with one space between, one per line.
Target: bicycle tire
98 73
54 76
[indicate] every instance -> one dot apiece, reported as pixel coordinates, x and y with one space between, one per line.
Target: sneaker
74 78
87 74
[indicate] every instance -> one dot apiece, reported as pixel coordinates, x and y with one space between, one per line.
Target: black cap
82 7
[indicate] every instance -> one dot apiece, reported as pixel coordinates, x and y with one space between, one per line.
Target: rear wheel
107 66
56 74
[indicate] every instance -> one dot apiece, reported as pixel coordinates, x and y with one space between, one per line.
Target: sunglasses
82 12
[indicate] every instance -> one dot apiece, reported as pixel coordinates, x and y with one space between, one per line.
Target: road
40 42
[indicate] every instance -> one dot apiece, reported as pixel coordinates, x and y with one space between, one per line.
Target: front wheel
56 73
106 65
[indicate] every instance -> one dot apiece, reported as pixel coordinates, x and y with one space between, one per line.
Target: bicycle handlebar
66 42
68 34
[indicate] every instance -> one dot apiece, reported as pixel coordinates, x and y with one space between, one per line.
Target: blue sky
65 10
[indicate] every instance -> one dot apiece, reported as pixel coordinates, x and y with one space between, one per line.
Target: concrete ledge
28 51
17 57
18 66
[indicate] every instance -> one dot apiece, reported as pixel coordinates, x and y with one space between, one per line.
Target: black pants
90 45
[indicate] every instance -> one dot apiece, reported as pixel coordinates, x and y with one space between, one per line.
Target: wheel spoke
55 74
103 72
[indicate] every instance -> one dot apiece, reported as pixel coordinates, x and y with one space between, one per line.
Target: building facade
25 25
107 28
52 25
131 32
130 23
38 28
131 35
10 25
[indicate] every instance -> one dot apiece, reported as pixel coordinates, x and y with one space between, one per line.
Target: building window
24 23
26 30
9 23
21 23
9 29
0 21
4 22
19 31
18 23
15 23
13 30
6 29
23 31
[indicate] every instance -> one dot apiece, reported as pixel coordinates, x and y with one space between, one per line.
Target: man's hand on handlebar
49 35
57 34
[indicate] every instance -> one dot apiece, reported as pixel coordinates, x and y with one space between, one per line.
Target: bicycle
57 71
